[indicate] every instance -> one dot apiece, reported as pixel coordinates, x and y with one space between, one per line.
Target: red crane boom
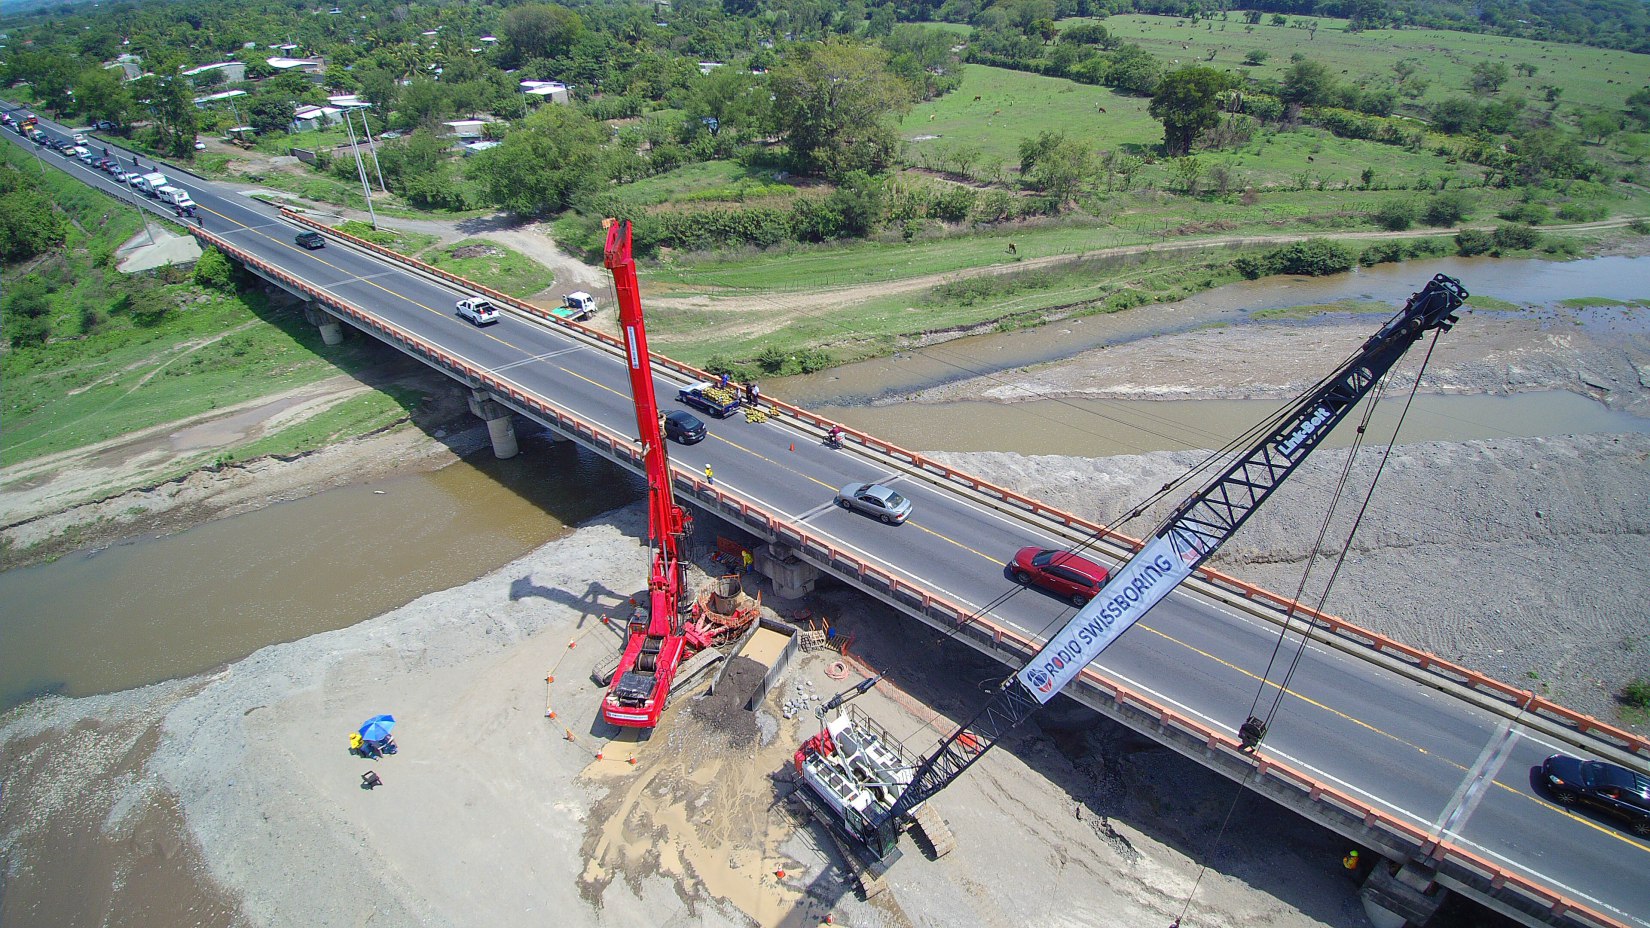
656 640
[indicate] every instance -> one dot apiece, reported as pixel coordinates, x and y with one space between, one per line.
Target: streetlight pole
361 169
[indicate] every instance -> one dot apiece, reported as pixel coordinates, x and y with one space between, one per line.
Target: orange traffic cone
793 446
779 873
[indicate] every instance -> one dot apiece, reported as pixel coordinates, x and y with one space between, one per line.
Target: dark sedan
684 427
1616 791
1072 576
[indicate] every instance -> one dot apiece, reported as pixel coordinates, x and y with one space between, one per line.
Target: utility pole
361 169
374 150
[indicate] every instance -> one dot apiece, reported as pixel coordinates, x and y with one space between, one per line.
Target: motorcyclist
834 436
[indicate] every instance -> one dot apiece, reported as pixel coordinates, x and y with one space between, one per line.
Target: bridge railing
936 609
1525 700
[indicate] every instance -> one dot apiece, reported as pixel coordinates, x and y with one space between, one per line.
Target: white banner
1149 576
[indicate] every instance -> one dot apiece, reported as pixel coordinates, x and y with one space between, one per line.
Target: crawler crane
658 637
855 777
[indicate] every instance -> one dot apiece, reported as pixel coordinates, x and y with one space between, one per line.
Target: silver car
874 499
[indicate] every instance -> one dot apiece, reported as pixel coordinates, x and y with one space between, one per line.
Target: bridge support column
500 423
332 331
791 576
1395 896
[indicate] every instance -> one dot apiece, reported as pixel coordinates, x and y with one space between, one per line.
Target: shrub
1396 215
1582 212
1532 214
1515 238
1446 208
1469 242
1313 259
213 270
1639 227
1637 693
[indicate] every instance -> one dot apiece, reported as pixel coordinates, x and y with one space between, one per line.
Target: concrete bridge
1429 763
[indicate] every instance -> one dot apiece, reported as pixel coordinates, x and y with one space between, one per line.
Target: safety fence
1091 687
1280 606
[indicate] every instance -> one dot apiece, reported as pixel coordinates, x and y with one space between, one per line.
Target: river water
159 608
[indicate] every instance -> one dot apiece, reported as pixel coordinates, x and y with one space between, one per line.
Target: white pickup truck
478 310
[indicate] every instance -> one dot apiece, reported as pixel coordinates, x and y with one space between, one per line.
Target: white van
172 195
149 183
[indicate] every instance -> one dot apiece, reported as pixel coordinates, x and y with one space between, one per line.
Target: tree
213 270
1456 114
30 226
268 113
1257 57
831 104
540 30
1488 76
1307 83
1056 164
1132 69
554 155
1187 102
102 96
1638 108
1599 126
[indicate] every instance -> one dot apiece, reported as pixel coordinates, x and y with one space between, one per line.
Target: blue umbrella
377 728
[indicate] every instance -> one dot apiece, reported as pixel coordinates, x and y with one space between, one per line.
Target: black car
684 427
311 240
1622 793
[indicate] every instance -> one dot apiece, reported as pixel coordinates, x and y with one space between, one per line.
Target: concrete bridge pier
332 331
791 576
501 426
1395 896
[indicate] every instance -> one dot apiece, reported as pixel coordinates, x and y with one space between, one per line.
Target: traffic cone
779 873
793 446
598 755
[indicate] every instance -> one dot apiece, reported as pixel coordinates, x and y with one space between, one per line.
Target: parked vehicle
1616 791
577 306
311 240
874 499
710 399
1071 576
685 427
478 310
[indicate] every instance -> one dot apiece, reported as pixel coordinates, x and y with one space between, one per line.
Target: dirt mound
723 712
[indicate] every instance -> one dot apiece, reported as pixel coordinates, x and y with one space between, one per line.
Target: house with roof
316 117
301 65
233 71
553 91
465 130
202 103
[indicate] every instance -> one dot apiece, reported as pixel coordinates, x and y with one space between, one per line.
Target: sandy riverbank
231 798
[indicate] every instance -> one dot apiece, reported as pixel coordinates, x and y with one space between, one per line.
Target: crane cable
1346 547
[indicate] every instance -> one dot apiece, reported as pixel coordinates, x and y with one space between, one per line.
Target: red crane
658 638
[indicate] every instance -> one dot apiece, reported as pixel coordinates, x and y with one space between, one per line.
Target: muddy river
159 608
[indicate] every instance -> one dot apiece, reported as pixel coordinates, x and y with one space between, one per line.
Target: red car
1072 576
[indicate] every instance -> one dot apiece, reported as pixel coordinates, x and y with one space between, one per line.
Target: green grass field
1590 78
1014 105
705 182
492 264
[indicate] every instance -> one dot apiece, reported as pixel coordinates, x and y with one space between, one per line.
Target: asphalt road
1428 759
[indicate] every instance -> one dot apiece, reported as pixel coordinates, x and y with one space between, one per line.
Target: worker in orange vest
1350 861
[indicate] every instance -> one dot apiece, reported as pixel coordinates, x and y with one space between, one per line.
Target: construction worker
745 560
1350 861
710 477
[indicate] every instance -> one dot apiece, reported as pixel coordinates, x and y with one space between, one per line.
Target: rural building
553 91
315 117
465 129
202 103
233 71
